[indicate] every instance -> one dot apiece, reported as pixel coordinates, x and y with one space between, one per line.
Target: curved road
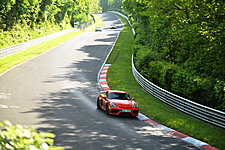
56 92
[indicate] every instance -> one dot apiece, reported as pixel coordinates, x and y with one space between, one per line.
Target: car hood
123 103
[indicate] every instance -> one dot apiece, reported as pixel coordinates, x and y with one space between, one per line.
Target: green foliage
120 77
23 137
179 45
115 5
104 5
22 34
95 6
24 20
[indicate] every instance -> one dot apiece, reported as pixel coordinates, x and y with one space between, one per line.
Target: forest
115 5
23 20
180 46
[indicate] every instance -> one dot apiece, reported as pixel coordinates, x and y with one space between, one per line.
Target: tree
189 36
104 5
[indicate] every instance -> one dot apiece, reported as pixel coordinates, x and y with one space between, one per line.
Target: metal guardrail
22 46
122 15
15 48
196 110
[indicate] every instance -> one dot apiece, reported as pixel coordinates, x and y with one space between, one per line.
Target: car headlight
135 105
112 104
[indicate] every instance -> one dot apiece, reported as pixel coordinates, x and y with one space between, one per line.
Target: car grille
114 110
125 107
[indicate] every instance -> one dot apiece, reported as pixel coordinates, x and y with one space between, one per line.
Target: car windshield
122 96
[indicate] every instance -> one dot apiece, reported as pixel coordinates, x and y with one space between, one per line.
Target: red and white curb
176 134
103 83
102 77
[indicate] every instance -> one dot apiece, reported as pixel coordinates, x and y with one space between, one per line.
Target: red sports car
117 102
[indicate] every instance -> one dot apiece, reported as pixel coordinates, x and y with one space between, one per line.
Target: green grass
120 78
98 21
14 59
21 56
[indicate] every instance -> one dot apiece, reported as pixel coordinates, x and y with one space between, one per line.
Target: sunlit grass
12 60
120 78
98 22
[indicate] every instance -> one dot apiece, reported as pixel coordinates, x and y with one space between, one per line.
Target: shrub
19 137
190 39
194 87
168 70
219 89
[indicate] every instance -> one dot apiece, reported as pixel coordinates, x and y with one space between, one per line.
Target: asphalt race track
56 92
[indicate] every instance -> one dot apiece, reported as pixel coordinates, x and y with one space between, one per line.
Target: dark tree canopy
180 46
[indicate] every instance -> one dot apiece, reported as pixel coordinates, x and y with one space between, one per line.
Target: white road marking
5 95
14 106
5 106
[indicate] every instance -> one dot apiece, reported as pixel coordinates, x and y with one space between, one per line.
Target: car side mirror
133 98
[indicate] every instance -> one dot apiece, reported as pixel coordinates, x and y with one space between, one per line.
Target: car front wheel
107 109
98 104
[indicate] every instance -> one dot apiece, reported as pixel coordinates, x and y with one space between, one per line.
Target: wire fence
196 110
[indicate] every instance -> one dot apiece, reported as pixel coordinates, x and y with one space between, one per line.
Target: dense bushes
22 34
180 80
24 20
115 5
180 46
25 138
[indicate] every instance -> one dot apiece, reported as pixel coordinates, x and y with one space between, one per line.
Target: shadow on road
70 110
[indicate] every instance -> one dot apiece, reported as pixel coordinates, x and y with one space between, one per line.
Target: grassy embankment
120 78
21 56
